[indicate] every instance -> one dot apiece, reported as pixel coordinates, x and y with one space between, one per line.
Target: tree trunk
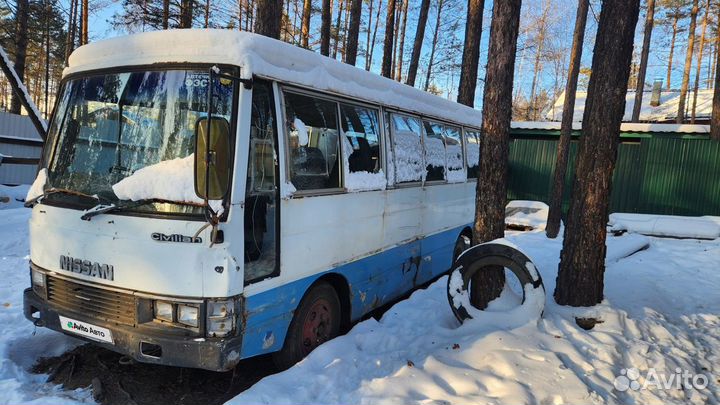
338 21
305 24
70 41
326 19
345 30
371 46
85 12
699 62
47 59
715 119
186 13
269 15
538 65
582 259
21 43
166 14
563 149
401 44
688 64
676 17
386 70
353 32
433 45
497 111
471 53
207 13
396 24
645 54
417 45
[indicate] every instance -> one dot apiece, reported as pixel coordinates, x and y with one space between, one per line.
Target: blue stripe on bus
374 280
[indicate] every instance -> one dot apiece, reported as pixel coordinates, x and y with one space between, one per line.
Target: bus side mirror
215 165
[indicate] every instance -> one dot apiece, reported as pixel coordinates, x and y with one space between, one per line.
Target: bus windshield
108 126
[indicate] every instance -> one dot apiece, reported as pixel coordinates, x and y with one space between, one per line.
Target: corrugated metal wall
18 138
658 175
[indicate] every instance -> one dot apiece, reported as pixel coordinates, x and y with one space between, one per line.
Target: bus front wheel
316 320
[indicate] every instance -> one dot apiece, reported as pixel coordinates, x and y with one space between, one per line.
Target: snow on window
172 180
434 152
360 180
38 186
453 150
300 132
408 157
472 153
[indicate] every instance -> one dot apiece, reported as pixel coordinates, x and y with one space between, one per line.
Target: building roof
666 111
265 57
624 127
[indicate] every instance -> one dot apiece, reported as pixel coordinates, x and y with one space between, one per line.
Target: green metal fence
658 174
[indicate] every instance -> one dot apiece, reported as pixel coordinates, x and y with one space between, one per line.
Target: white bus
207 196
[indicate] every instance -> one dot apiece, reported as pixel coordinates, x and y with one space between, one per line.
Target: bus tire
480 257
315 321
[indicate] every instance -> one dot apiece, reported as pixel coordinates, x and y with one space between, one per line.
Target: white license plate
87 330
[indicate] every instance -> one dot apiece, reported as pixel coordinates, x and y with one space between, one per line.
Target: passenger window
313 142
454 153
472 153
434 151
261 205
362 130
407 148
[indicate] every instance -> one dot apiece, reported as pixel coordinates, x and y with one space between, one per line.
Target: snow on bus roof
265 57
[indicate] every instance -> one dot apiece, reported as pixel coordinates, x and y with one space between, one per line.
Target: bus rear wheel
316 320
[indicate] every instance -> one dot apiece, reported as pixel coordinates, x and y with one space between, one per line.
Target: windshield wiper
32 202
108 208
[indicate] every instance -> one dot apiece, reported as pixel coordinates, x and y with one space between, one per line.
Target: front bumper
215 354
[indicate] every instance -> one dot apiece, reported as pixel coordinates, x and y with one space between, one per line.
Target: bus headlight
188 315
163 311
38 283
220 318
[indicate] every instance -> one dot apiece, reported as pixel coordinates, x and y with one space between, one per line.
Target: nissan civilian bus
207 196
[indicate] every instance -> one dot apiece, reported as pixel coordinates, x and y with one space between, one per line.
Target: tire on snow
480 257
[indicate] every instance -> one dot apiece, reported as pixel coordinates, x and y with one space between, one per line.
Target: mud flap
479 257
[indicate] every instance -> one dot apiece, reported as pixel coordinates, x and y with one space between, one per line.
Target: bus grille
99 303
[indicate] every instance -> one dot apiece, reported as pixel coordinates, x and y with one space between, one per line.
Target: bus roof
265 57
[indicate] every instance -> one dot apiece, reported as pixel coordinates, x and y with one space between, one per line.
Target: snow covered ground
661 314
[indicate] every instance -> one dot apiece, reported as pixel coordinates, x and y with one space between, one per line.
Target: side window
361 148
407 145
261 205
434 151
472 153
313 142
361 128
454 153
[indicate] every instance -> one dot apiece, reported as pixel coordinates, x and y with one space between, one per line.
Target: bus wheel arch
462 243
342 289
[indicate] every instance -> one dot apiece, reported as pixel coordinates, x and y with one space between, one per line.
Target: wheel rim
317 325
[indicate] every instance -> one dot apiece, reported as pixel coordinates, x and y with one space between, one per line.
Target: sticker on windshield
196 80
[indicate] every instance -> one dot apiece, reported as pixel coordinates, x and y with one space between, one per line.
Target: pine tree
417 44
645 55
353 32
269 14
386 69
492 179
563 149
21 40
582 259
688 64
471 53
326 17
